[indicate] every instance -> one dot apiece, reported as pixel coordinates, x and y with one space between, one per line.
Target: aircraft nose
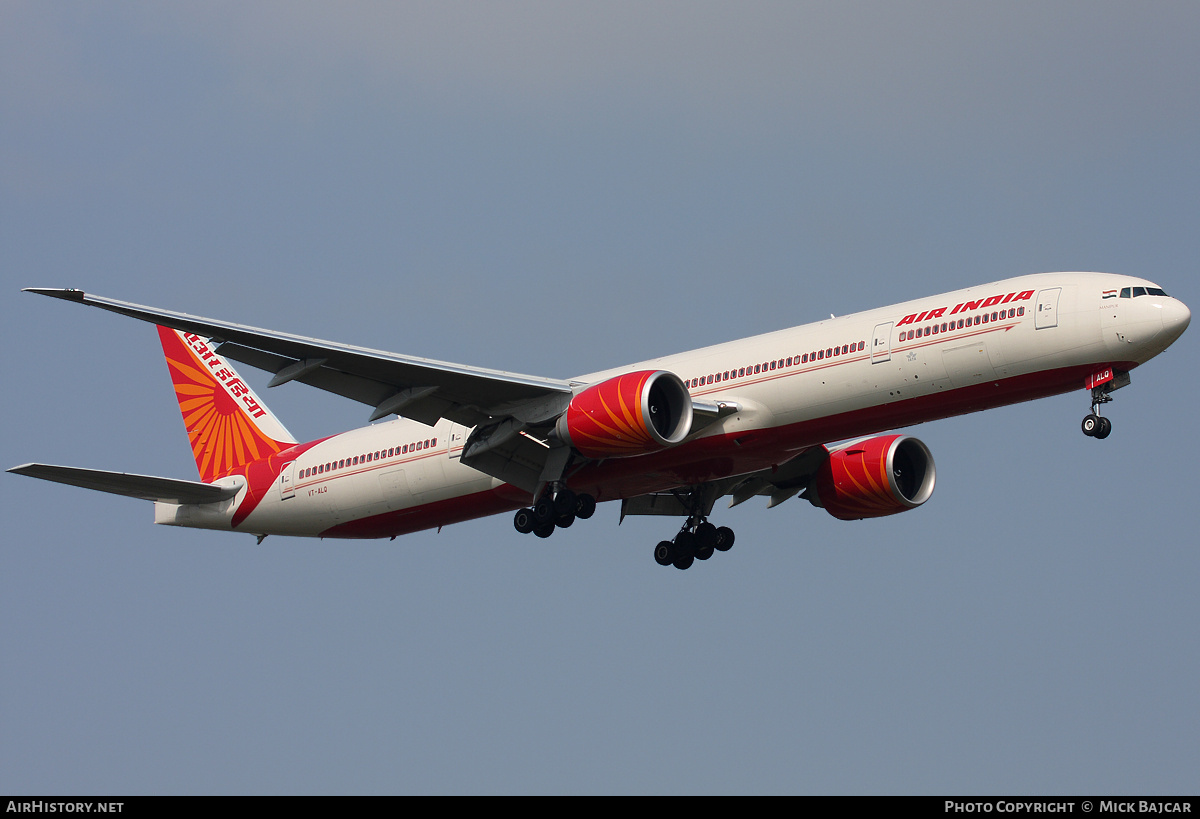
1175 317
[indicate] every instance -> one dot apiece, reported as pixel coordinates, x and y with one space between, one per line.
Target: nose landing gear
1094 424
1102 383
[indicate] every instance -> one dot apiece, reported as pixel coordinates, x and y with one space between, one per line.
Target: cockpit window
1134 292
1155 291
1126 292
1139 291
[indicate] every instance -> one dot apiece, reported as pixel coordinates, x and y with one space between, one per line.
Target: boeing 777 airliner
669 436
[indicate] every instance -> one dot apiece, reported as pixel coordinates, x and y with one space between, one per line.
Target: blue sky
556 189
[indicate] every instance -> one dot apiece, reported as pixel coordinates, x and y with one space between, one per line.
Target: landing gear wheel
1105 429
1091 424
565 521
585 506
544 511
664 553
706 539
564 503
724 539
523 521
684 549
704 552
544 530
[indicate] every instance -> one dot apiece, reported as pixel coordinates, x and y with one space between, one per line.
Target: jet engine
876 477
631 414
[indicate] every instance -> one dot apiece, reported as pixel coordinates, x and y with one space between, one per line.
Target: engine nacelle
872 478
631 414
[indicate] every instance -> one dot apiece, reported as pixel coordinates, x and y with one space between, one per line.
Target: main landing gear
558 509
1095 425
697 540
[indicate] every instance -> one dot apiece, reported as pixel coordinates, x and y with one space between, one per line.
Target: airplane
804 412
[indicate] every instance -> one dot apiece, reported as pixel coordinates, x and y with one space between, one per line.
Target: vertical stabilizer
226 422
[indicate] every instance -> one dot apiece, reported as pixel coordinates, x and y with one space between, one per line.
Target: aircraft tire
1091 423
523 521
664 553
544 530
724 539
565 521
1104 430
564 502
585 506
544 512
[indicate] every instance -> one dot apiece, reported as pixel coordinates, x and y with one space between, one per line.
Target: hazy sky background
554 189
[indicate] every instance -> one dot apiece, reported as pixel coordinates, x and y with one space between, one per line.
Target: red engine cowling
877 477
631 414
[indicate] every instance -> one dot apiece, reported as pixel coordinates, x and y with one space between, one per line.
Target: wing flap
145 487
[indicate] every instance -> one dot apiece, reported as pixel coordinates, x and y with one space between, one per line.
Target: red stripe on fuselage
720 456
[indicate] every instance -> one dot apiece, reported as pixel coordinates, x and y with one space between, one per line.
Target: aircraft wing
146 487
782 483
418 388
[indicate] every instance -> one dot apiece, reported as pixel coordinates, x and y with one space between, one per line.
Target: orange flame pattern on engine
223 436
606 420
854 483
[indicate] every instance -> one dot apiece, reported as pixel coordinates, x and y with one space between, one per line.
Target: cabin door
1047 308
881 344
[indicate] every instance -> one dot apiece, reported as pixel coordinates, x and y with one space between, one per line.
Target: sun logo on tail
227 425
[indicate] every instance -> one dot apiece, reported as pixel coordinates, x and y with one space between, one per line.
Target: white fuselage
845 377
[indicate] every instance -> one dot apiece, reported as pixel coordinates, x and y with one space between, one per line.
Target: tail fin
226 423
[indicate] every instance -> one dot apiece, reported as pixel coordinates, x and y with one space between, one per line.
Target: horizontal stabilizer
146 487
